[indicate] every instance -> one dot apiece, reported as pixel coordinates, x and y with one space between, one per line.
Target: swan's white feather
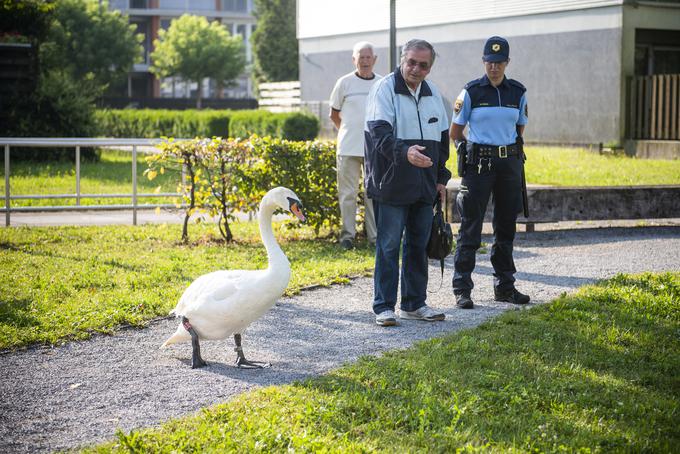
226 302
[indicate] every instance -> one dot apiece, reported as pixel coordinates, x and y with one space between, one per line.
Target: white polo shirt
349 97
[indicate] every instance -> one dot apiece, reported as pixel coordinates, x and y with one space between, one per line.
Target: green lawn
111 175
61 283
577 167
596 371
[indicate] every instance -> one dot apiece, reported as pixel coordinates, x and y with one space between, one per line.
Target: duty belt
492 151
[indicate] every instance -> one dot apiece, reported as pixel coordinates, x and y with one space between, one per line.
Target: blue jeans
414 223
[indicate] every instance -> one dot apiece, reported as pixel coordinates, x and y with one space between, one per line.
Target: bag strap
438 206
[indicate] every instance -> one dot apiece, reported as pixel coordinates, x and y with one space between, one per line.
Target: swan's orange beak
296 209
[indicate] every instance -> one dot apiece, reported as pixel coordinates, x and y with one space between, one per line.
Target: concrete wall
573 76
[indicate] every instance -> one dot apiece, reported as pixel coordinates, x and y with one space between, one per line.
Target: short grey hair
419 44
361 45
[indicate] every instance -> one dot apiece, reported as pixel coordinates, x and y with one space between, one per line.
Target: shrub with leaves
308 168
183 158
225 176
225 164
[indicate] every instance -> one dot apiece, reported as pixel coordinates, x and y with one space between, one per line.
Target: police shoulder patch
526 110
457 106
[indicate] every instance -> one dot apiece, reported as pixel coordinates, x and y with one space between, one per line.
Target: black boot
463 301
512 296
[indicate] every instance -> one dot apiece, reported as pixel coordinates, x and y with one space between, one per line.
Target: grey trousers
350 171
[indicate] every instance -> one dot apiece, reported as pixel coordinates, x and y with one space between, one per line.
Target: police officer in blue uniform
490 162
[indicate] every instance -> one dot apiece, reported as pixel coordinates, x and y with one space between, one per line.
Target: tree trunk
192 200
199 92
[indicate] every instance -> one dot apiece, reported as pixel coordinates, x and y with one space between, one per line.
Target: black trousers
503 179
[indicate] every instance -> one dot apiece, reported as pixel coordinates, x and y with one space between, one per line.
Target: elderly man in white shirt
348 106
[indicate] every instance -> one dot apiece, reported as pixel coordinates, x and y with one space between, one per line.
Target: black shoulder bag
441 237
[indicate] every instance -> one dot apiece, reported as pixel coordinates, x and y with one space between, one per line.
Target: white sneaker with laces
423 313
386 318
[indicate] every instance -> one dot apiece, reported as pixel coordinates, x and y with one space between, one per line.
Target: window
240 6
657 52
171 4
139 4
143 29
140 86
202 5
118 4
241 30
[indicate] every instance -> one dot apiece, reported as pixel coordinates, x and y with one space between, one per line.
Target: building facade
576 57
150 16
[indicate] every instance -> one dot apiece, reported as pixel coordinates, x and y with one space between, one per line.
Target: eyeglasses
420 64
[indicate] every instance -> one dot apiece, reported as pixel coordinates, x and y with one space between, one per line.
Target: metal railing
148 144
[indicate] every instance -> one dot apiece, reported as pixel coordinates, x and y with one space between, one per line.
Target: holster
462 152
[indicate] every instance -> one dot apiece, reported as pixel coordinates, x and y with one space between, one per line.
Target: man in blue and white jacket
406 148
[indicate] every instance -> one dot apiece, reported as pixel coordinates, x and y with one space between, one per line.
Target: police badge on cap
496 49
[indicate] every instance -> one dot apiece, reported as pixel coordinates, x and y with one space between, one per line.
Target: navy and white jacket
396 120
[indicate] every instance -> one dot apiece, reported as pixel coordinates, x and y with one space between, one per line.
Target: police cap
496 49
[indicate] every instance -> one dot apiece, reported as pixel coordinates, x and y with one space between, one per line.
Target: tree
81 48
194 49
275 45
91 42
29 19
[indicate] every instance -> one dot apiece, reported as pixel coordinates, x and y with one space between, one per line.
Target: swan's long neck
274 252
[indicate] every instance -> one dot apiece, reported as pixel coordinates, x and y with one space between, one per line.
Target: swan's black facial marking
295 207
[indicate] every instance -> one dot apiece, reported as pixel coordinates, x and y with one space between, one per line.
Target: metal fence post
77 175
7 199
134 185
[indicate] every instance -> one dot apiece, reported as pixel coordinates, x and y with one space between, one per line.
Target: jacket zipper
420 125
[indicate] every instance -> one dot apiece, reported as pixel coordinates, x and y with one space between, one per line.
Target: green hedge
309 169
148 123
290 126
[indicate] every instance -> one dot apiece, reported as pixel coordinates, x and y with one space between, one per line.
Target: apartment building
150 16
596 70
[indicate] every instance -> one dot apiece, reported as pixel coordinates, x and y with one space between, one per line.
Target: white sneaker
386 318
423 313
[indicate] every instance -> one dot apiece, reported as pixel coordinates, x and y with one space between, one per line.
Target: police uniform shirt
349 97
492 113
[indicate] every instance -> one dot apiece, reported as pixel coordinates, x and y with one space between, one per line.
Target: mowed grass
579 167
63 283
595 371
111 175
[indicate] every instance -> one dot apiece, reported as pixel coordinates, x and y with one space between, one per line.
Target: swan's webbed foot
242 362
196 360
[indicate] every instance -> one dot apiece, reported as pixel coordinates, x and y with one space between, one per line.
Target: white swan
226 302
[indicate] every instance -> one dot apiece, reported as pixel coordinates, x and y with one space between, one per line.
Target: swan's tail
178 336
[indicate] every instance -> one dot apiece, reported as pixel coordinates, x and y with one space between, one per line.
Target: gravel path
80 393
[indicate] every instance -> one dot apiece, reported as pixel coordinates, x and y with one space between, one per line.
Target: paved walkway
82 392
117 217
